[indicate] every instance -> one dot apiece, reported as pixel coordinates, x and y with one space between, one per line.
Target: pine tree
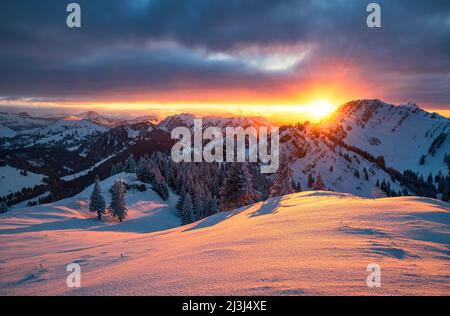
319 185
283 181
130 165
430 178
159 184
144 170
366 174
3 207
238 188
117 208
187 210
97 202
310 180
213 205
297 186
377 193
422 160
182 193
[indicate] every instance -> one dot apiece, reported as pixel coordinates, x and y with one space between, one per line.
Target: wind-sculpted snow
303 244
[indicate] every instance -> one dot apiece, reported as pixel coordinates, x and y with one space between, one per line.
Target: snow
402 134
6 132
12 181
23 121
69 131
308 243
85 172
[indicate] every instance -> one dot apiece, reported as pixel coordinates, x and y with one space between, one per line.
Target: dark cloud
141 46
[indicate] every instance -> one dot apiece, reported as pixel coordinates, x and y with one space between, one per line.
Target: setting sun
320 109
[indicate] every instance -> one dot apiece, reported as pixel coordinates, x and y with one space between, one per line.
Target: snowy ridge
23 121
70 131
311 153
311 243
402 134
6 132
187 120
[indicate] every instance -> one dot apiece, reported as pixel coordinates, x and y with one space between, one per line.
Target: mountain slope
23 121
304 244
6 132
402 134
13 180
67 132
310 153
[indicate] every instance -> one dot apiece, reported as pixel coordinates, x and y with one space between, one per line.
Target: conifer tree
97 202
311 181
238 188
187 210
130 165
3 207
319 184
117 208
283 180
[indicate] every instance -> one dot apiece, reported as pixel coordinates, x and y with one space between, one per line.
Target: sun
320 109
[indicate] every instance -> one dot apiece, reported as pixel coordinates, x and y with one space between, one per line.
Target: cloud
152 47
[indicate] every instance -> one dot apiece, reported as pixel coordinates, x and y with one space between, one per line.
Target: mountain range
360 146
176 240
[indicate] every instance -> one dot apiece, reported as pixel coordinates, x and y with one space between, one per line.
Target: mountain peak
90 115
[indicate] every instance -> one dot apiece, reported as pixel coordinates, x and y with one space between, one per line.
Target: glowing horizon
282 113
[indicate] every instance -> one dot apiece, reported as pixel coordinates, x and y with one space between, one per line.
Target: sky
246 56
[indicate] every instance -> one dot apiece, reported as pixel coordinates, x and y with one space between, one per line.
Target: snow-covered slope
402 134
12 180
68 132
310 152
23 121
304 244
6 132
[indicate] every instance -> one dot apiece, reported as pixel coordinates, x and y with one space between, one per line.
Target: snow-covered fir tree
283 180
130 165
187 210
237 190
97 202
311 181
319 184
117 208
159 184
117 168
3 207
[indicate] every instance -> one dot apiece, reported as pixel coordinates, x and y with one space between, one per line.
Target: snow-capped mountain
310 153
187 120
102 120
68 132
368 142
117 139
23 121
401 134
6 132
364 145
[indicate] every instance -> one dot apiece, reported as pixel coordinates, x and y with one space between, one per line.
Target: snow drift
311 243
